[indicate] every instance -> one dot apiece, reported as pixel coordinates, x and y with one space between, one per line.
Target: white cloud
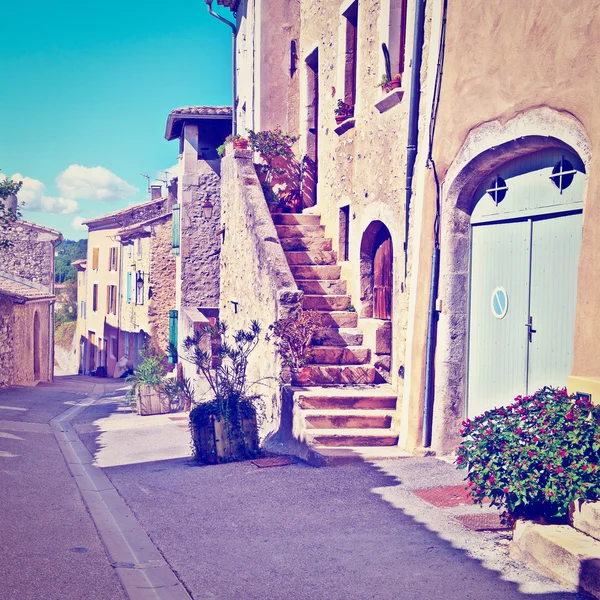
93 183
33 198
77 224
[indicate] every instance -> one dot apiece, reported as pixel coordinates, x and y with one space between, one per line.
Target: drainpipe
233 62
413 118
51 321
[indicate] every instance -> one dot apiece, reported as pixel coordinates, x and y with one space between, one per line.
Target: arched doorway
36 346
526 228
376 272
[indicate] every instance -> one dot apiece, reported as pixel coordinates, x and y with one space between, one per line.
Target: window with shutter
95 255
115 259
139 288
108 297
351 16
95 297
129 274
173 322
175 229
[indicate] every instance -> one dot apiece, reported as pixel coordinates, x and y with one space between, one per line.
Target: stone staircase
342 405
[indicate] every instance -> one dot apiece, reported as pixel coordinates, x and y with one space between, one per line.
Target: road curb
142 569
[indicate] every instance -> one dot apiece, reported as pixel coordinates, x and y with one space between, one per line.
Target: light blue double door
523 292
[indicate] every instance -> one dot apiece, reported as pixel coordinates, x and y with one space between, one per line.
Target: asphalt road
43 518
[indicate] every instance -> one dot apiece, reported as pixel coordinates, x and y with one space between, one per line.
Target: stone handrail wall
256 280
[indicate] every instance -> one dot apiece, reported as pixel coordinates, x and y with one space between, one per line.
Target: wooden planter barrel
220 441
151 402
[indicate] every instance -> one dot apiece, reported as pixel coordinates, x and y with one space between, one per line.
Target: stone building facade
27 303
489 103
106 285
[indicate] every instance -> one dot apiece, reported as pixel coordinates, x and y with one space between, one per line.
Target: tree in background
67 252
8 217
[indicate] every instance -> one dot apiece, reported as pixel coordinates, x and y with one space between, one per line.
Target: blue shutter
173 322
175 230
129 287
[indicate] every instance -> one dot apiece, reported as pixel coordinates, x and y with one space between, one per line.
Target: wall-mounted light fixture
207 210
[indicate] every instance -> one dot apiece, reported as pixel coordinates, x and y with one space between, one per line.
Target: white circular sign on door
499 303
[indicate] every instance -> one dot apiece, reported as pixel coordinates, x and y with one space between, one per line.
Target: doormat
485 522
446 497
276 461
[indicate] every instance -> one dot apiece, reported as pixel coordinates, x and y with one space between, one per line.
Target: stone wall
200 240
32 255
256 281
162 284
7 324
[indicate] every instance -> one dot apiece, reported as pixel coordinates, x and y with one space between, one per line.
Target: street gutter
142 569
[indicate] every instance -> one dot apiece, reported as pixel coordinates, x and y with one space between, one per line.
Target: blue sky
86 90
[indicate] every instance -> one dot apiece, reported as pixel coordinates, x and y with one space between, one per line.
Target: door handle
530 329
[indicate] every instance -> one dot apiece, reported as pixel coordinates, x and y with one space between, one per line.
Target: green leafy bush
534 457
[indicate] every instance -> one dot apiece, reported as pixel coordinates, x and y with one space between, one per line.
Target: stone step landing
325 374
351 437
348 419
340 355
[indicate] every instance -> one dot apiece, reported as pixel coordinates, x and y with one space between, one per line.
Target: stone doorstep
332 336
316 271
314 244
326 303
347 418
585 517
322 286
340 455
296 219
559 552
301 257
351 437
340 355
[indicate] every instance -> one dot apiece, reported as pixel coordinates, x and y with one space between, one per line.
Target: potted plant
292 337
343 111
279 169
534 457
389 84
224 428
237 140
146 382
180 393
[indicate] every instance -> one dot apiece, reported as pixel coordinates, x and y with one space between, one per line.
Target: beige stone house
197 231
453 213
27 304
104 293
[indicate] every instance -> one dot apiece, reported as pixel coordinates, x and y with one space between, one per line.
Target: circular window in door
499 303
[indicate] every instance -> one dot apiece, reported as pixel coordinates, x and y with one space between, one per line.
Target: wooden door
382 276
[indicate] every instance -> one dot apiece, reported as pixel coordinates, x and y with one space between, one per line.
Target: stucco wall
256 281
23 332
503 66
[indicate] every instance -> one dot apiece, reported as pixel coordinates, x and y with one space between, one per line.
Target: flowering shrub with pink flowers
534 457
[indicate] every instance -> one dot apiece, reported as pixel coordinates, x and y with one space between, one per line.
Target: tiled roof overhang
178 116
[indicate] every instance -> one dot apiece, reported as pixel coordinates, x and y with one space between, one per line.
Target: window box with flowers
343 111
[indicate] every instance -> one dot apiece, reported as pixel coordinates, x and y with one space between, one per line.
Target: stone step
320 374
299 257
339 319
335 355
348 419
326 303
296 219
300 231
330 336
345 399
559 552
316 271
322 286
335 455
351 437
308 244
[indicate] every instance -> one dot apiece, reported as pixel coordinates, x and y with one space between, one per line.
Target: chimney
155 191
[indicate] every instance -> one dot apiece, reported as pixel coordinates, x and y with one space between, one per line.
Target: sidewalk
352 531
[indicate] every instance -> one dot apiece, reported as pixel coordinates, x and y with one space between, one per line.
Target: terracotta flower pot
301 376
339 119
240 144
